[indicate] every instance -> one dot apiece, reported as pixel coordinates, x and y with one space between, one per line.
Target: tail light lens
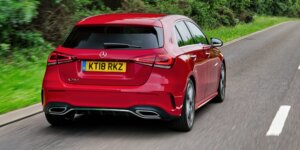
163 61
146 60
59 58
160 61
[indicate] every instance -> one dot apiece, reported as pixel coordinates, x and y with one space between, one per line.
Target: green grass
21 78
259 23
20 85
21 81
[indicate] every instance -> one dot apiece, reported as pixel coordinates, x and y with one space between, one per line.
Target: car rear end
120 68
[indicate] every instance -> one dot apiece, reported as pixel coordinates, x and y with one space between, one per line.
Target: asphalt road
262 75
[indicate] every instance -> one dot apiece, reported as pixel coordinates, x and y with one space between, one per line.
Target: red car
152 66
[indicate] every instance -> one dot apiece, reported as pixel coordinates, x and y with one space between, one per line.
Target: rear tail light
146 60
160 61
59 58
163 61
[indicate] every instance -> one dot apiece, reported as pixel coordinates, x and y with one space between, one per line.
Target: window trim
176 30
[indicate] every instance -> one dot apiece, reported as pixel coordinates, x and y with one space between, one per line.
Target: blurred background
31 29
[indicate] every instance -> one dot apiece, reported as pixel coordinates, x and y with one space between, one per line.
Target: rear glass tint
98 37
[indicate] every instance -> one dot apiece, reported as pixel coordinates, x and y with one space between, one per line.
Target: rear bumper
144 112
112 100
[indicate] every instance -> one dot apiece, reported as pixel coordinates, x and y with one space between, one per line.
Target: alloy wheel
190 104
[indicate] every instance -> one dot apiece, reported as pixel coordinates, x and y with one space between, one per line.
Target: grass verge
260 22
21 78
20 81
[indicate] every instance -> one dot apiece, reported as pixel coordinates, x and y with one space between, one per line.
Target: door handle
193 57
208 54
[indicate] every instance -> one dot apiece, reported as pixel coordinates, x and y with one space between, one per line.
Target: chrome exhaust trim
145 114
57 110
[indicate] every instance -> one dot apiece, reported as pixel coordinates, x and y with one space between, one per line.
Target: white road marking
279 120
299 67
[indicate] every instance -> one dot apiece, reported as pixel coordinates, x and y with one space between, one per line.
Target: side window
198 36
184 33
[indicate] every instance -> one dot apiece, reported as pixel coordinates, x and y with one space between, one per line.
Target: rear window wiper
120 45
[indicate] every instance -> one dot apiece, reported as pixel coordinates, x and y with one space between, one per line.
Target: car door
209 54
214 65
196 55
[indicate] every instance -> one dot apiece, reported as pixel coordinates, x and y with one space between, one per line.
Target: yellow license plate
101 66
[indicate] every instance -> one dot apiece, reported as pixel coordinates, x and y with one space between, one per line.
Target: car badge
103 54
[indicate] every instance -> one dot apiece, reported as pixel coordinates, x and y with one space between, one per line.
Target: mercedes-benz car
152 66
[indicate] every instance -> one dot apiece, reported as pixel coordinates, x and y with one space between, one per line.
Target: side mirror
216 42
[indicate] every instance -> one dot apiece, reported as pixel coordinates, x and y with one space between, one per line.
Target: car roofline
123 19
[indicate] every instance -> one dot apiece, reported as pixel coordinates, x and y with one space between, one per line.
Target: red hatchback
151 66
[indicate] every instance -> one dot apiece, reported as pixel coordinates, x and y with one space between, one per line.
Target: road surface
263 96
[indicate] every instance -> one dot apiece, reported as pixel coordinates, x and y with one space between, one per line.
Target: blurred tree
26 23
15 25
113 4
57 17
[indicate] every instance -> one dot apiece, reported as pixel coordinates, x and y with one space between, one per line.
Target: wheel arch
225 69
224 62
193 79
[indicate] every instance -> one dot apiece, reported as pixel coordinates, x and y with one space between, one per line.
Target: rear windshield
114 37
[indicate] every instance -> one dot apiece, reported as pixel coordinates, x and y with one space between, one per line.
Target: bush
4 49
22 56
28 39
245 16
133 6
156 6
15 28
202 14
57 17
226 16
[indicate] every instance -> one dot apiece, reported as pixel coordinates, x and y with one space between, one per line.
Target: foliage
27 23
15 20
133 6
57 17
30 23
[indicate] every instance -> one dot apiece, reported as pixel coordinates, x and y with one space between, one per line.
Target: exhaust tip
147 114
57 110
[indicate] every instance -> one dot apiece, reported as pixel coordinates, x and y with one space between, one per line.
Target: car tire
60 120
222 86
186 120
